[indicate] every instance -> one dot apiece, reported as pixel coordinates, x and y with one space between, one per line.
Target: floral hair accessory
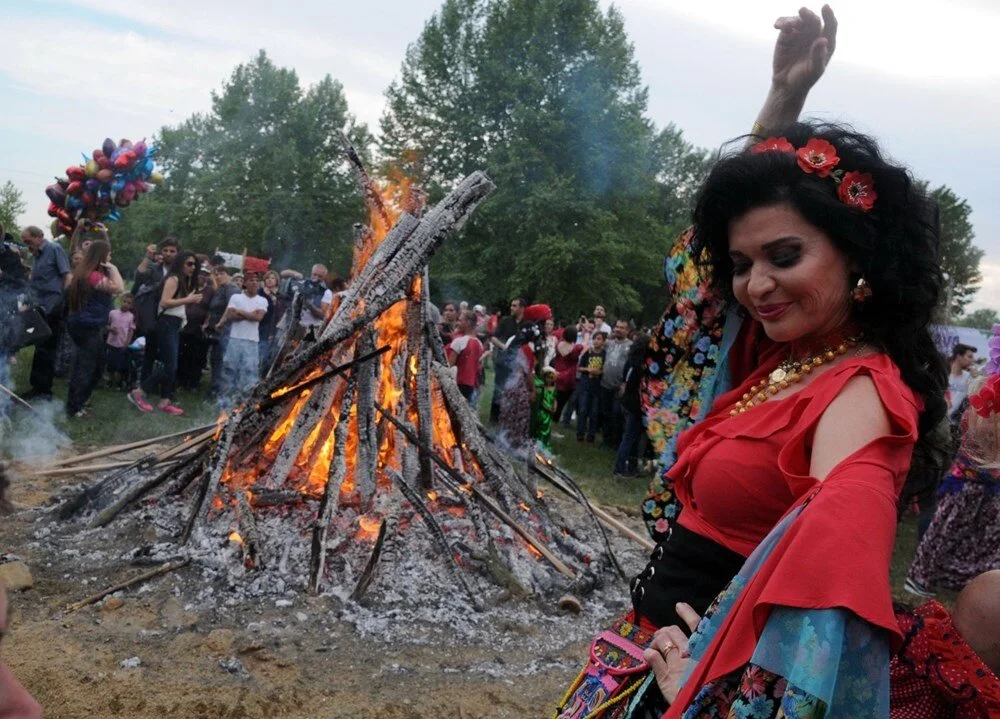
819 157
987 400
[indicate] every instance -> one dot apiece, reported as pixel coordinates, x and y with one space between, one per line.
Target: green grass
114 420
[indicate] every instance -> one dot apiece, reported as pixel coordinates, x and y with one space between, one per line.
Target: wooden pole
599 512
14 396
131 445
152 574
159 458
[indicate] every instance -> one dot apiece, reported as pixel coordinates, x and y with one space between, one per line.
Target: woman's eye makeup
786 257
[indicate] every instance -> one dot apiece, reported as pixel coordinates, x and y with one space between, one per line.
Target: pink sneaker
136 398
171 408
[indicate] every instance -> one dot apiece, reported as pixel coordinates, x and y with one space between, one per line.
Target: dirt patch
206 651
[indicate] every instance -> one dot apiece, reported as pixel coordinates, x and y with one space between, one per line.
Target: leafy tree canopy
981 319
11 206
262 170
546 95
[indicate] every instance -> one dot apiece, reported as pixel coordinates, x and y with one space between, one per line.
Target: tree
546 95
959 257
11 206
981 319
262 170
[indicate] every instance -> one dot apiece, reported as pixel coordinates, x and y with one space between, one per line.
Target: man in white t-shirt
241 361
313 291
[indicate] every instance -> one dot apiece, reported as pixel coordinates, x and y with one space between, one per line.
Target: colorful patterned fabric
936 673
682 366
963 539
807 664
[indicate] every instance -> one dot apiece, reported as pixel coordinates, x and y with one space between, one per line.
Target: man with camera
312 292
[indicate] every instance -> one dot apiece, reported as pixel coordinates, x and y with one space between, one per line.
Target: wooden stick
159 458
168 567
560 566
599 511
293 391
125 447
13 395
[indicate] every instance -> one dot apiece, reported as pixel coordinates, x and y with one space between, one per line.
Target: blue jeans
163 380
240 368
588 408
627 459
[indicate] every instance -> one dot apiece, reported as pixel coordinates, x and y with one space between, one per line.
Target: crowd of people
190 322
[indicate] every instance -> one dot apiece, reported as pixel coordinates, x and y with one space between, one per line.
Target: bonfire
356 463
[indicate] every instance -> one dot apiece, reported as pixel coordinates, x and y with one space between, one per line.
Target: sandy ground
298 661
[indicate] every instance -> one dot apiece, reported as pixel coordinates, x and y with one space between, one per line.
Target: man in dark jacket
50 276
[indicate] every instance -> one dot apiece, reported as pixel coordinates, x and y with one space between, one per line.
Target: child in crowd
545 407
588 387
121 328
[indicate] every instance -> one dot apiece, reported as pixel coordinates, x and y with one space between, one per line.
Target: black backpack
146 306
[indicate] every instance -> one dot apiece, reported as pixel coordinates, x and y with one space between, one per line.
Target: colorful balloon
156 178
105 176
98 154
56 194
91 168
75 173
108 147
104 163
121 164
140 148
74 188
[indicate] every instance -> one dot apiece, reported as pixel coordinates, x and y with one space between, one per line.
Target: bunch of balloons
104 185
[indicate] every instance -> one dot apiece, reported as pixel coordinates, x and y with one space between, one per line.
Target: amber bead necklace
788 373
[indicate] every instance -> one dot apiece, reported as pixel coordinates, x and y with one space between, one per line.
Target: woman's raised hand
804 47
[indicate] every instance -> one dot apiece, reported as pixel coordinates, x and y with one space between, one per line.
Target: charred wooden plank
331 492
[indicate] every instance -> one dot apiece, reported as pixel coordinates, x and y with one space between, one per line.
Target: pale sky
922 75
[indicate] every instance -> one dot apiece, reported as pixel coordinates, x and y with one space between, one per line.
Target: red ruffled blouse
737 476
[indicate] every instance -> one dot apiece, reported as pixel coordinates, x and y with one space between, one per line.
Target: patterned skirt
963 541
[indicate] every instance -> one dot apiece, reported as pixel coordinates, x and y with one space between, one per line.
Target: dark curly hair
896 244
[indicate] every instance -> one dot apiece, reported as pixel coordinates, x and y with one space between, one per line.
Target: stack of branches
322 388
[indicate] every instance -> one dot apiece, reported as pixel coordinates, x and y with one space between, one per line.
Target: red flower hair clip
987 400
819 157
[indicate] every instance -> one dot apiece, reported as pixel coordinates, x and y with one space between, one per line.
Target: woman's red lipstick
772 312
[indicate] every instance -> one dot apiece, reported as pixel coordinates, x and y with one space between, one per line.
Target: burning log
369 571
315 409
398 259
367 454
331 491
253 540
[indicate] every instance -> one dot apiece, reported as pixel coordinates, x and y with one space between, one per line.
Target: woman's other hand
667 654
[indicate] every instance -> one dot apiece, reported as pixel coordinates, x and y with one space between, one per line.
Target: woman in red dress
789 484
